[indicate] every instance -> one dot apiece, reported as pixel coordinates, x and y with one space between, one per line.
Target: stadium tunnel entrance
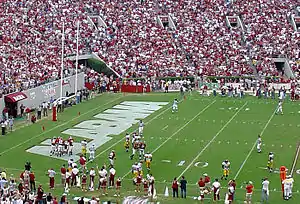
11 102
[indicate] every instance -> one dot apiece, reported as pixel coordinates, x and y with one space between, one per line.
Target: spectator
39 112
22 108
175 187
183 183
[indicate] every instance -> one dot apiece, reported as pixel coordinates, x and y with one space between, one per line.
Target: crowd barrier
34 97
135 88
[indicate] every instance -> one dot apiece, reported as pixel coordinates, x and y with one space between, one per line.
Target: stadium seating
135 45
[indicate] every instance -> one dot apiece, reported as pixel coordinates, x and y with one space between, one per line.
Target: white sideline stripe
65 123
182 127
295 160
211 141
113 145
250 152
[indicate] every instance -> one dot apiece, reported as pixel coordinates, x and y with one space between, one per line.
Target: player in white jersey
225 167
127 137
141 128
265 191
142 147
112 157
287 187
216 186
53 146
92 150
175 106
60 146
258 144
279 108
133 138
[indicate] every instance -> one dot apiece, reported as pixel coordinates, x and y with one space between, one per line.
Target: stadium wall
36 96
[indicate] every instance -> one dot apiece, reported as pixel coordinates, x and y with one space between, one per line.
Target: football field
195 140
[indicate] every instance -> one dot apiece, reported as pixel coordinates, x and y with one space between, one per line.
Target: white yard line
54 128
164 128
250 152
295 159
211 141
175 133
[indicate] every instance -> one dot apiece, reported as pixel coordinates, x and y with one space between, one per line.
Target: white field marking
211 141
166 161
54 128
251 150
164 128
113 145
175 133
295 160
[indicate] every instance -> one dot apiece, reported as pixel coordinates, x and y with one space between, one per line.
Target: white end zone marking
212 140
251 150
54 128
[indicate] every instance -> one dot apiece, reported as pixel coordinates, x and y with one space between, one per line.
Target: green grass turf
205 129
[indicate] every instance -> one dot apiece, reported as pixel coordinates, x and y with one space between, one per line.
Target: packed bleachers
135 45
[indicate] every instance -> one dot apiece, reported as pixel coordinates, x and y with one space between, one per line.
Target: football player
127 145
175 106
141 127
142 147
258 144
279 108
270 162
135 147
225 167
83 147
92 150
112 157
216 186
148 160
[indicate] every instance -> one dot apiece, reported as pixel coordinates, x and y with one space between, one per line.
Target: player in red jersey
82 162
146 186
138 181
118 187
104 186
207 182
63 172
249 192
83 182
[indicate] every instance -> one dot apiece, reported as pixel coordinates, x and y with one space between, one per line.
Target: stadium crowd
134 44
202 44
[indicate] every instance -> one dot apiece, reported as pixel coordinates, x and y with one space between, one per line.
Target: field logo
99 130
